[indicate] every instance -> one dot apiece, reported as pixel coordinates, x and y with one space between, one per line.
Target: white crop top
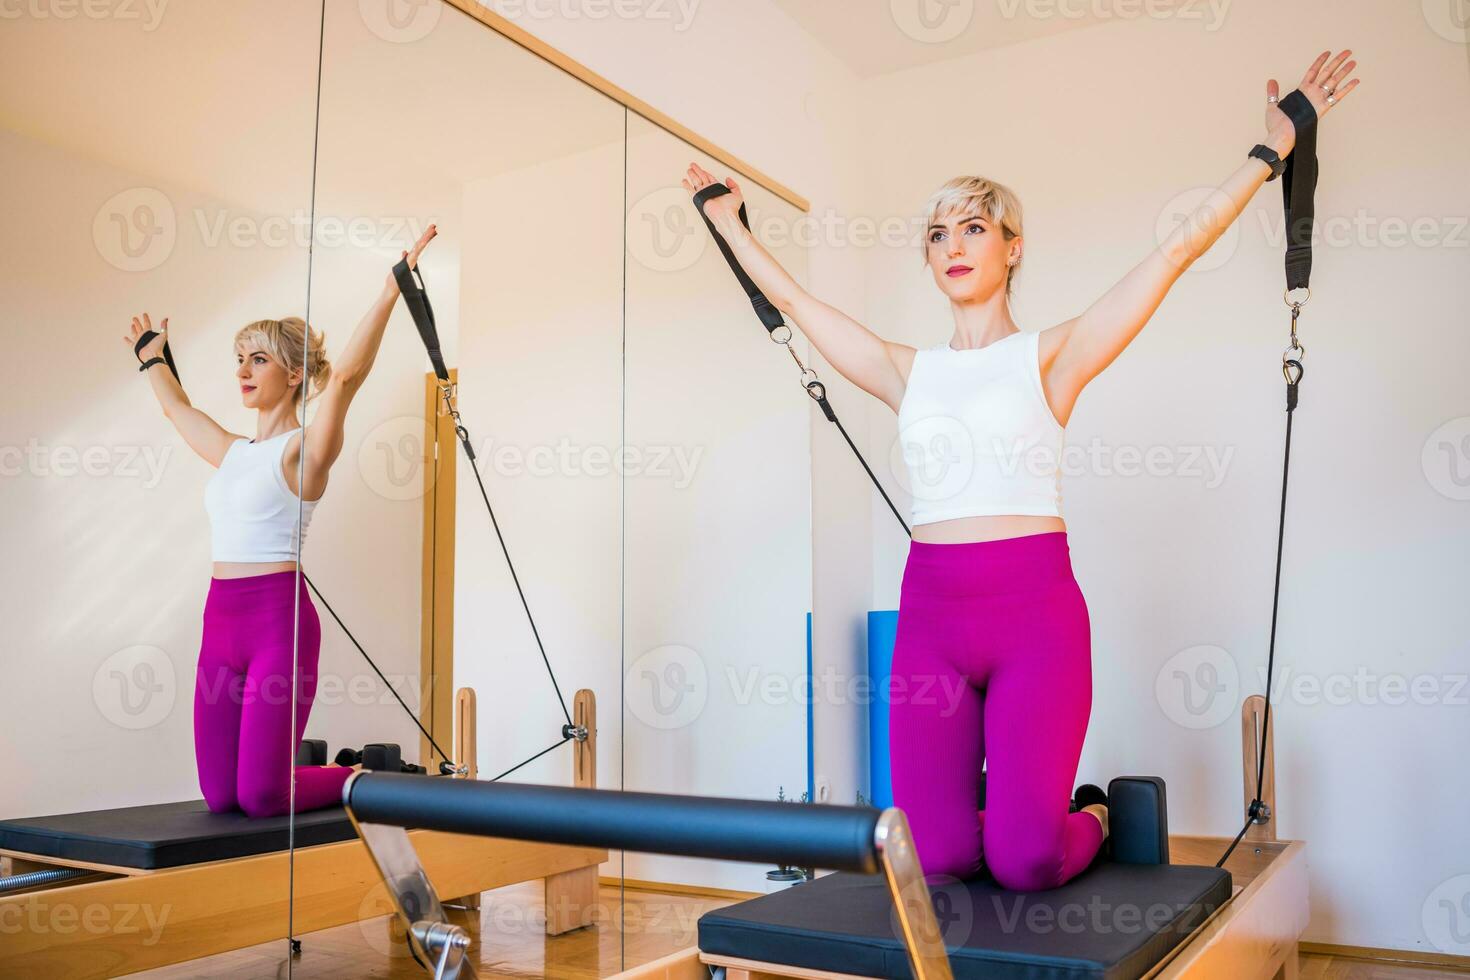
252 513
977 435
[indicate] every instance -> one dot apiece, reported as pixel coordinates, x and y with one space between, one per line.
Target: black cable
1257 803
416 299
391 689
400 700
532 759
771 318
470 454
886 499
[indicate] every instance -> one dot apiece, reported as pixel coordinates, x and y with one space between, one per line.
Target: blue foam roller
882 630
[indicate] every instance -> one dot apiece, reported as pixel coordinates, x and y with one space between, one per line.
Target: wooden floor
634 928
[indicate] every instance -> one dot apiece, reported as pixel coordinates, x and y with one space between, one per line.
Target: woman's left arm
1090 342
349 372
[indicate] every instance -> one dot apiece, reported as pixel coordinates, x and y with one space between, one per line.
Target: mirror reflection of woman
243 742
992 664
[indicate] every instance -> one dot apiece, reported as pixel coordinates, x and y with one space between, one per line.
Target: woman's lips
958 270
247 388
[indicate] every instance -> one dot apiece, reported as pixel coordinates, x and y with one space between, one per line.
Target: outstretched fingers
1325 73
418 246
1310 78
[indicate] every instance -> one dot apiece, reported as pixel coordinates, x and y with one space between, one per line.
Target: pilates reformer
117 891
1153 906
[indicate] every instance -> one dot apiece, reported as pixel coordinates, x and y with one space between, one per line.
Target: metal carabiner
1291 362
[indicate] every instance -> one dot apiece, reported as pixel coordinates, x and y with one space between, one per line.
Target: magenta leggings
243 742
993 666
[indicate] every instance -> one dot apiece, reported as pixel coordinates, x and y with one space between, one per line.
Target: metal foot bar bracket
842 838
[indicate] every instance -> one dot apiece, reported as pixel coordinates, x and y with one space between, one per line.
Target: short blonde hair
285 341
993 201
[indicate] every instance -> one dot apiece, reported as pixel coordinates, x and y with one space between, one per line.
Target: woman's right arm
203 434
857 353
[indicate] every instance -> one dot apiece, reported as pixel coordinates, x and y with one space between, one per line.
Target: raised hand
696 179
141 326
1323 85
413 255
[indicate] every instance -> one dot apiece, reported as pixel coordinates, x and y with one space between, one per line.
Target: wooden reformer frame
120 920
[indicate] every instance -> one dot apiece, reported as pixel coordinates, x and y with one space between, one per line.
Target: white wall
1098 131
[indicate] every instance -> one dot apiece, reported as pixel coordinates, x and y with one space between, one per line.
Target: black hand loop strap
144 340
416 298
770 317
1298 189
772 320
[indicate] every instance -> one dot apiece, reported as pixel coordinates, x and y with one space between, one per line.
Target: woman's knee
948 851
220 800
263 800
1027 867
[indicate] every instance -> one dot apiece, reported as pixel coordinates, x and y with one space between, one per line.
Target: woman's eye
974 228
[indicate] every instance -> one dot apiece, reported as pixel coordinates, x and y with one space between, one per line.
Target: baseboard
633 884
1411 956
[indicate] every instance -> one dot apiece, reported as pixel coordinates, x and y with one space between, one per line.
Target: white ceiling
874 37
221 96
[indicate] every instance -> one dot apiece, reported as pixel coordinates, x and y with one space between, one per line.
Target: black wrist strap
144 340
770 317
1298 186
416 298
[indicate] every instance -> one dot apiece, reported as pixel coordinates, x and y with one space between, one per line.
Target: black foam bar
1138 820
311 752
382 757
796 834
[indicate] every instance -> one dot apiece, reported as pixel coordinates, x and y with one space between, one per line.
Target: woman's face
968 256
263 381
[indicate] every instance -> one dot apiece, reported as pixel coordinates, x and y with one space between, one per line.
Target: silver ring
1332 100
1271 99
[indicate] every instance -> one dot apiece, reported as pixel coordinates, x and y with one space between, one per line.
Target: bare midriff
245 569
965 530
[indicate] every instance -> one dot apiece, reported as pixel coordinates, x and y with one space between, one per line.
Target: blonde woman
243 740
992 663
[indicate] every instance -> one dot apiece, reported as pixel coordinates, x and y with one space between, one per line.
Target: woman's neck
272 422
981 323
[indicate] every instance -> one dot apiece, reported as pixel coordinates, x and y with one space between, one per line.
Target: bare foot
1100 811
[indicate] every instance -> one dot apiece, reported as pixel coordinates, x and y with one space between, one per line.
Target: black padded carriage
1114 921
1118 919
166 835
